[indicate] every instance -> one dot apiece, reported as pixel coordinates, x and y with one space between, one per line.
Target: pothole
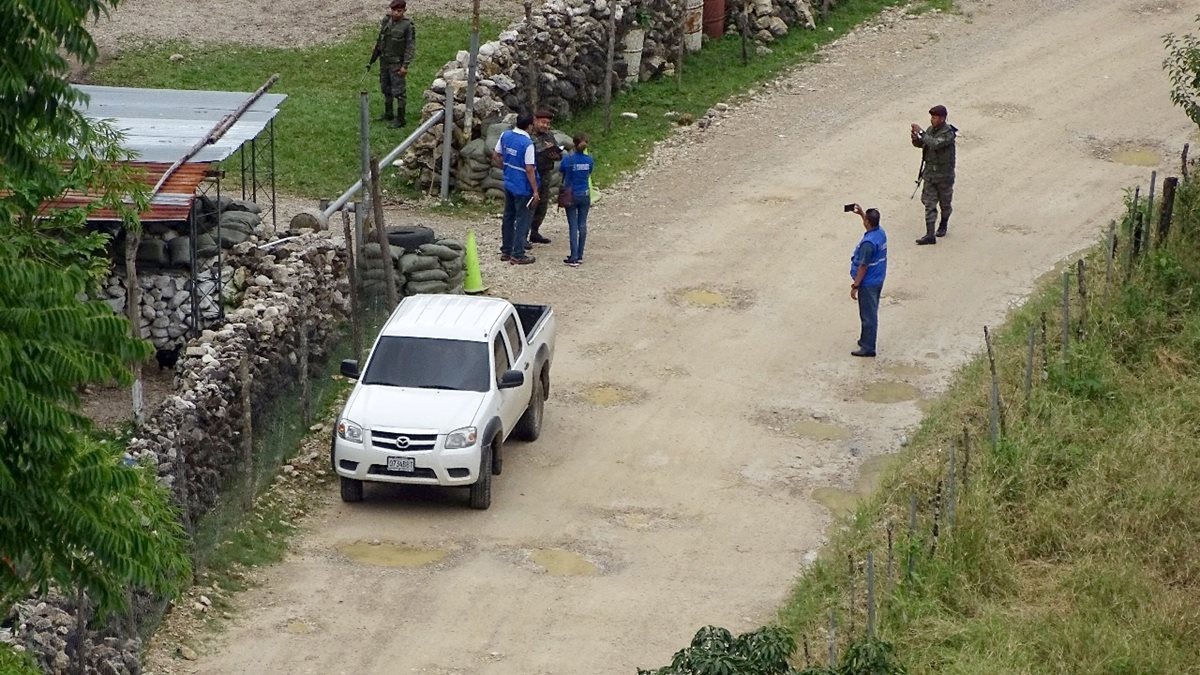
384 554
640 518
890 392
803 424
560 562
842 502
1143 152
299 627
820 431
713 298
906 370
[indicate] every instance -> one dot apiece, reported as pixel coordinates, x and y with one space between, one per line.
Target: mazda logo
402 442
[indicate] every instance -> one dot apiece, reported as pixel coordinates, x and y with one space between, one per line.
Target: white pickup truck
448 379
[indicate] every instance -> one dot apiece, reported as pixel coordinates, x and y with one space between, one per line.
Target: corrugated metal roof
161 125
172 203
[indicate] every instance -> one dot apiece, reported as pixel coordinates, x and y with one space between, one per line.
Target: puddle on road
604 395
713 298
1137 157
298 627
906 370
890 392
843 502
560 562
820 431
392 555
705 298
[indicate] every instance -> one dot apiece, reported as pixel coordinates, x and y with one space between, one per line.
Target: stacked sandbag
371 273
474 165
434 268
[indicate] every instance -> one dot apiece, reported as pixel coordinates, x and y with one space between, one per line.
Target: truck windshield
429 364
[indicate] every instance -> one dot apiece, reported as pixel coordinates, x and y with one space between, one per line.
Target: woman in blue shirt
576 168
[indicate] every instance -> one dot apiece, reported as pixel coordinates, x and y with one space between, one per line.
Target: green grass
1076 545
316 132
16 663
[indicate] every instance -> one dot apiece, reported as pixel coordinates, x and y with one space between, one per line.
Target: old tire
410 236
529 427
352 489
497 455
481 491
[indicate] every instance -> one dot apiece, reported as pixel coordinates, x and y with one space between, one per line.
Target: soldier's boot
941 231
929 237
400 116
387 115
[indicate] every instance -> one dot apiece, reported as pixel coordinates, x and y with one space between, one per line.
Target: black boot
387 109
941 231
928 238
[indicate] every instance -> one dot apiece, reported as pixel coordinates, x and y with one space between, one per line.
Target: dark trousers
577 215
514 227
868 313
539 214
393 85
937 193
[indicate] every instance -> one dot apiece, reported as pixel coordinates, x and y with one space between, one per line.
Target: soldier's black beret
939 110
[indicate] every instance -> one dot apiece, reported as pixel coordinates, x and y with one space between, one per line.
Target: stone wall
569 42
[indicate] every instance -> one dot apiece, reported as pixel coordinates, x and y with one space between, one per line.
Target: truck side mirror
350 368
511 379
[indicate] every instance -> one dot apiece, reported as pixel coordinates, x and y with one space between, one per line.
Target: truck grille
419 472
392 440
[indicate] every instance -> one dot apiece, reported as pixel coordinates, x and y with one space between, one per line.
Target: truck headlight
349 431
461 438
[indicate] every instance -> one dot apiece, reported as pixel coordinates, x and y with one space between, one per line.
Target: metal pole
364 141
254 169
274 210
472 67
337 204
532 64
447 141
612 41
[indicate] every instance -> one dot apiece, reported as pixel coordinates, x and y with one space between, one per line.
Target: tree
1183 68
73 513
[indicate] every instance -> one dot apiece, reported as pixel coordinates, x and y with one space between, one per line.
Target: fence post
532 63
247 431
682 40
995 425
364 141
743 24
447 141
1110 252
472 69
937 517
385 248
305 402
850 604
870 595
352 271
891 555
832 639
1045 350
952 489
912 532
1168 208
608 72
1183 161
807 654
1029 364
1083 299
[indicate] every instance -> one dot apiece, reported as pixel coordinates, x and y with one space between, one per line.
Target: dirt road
703 383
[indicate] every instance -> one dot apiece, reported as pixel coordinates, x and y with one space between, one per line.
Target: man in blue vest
868 269
514 151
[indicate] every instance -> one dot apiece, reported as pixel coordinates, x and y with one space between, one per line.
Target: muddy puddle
607 394
712 298
819 431
890 392
384 554
560 562
841 502
1137 157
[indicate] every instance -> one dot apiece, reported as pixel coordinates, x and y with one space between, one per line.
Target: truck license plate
401 464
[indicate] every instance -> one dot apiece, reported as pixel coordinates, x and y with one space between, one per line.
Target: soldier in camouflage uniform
937 155
394 50
547 154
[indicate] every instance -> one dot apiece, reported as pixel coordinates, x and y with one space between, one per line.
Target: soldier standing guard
394 50
548 154
937 157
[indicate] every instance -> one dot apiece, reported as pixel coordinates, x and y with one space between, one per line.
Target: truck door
511 401
517 399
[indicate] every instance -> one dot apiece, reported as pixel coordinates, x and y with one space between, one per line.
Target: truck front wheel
481 491
352 489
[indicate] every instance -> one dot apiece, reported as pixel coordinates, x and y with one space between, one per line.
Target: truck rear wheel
481 491
352 489
529 427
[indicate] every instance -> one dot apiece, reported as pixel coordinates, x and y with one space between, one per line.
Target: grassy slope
1078 539
317 130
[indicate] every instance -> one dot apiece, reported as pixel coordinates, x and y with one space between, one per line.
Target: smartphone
848 208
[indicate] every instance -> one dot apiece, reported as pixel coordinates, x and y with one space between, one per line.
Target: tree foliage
1183 68
72 513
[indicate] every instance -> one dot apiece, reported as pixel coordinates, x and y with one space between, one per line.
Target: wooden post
951 488
608 72
364 150
247 431
352 270
966 470
1168 208
1110 252
472 70
305 403
682 40
825 10
1066 316
447 144
807 654
389 271
1083 299
937 517
531 64
133 310
1149 211
1045 350
891 527
78 640
1029 364
743 22
995 424
850 603
1183 161
870 595
832 639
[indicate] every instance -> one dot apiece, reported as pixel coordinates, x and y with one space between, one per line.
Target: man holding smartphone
868 269
514 151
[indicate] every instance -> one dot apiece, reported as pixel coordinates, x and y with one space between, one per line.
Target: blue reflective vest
512 150
876 267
